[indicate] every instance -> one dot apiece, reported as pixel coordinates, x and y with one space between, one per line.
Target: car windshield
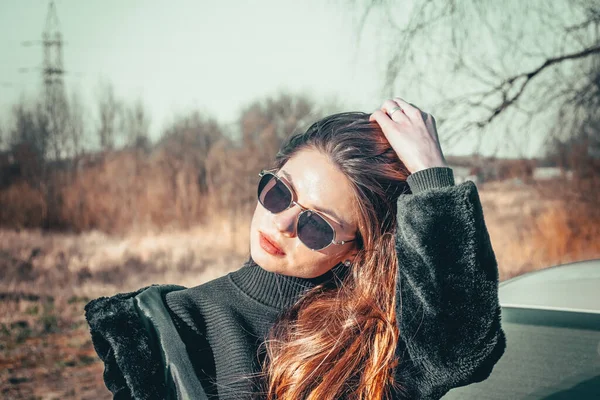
572 287
549 355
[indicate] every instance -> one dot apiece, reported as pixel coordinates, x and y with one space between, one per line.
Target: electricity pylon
55 101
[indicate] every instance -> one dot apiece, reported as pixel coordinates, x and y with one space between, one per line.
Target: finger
431 126
390 107
424 114
434 127
383 120
435 133
410 110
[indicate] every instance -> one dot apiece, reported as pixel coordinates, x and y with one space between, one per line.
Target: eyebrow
326 211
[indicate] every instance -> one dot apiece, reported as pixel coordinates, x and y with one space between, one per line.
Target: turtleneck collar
274 289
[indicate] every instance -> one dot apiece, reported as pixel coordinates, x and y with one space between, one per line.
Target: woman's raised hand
412 134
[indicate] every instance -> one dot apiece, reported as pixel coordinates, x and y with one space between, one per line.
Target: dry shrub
535 226
104 194
232 179
569 230
21 206
130 191
194 171
133 191
170 188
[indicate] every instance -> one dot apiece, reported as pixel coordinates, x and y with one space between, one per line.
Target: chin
266 262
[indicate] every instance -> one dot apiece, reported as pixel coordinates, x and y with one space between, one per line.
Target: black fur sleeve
132 367
447 288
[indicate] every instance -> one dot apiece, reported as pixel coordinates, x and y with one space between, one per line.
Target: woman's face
319 186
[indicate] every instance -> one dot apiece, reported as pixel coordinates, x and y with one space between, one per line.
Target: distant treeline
61 172
112 178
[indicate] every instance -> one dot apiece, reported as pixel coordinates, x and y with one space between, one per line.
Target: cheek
314 259
255 225
255 219
314 264
260 221
258 216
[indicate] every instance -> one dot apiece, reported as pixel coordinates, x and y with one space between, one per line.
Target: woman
371 276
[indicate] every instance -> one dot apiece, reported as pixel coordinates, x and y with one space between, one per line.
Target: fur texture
449 314
132 367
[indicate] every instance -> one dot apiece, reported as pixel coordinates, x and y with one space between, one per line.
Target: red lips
270 245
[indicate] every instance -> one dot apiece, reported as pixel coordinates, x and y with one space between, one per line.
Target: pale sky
183 55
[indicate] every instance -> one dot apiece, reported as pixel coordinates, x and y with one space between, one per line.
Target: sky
214 56
211 56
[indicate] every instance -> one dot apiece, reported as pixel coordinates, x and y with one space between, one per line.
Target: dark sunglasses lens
272 194
314 231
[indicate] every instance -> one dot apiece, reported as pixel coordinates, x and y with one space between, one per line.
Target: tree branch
510 83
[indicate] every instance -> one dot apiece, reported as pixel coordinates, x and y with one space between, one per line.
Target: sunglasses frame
304 209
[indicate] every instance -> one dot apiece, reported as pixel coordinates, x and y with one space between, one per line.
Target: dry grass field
46 279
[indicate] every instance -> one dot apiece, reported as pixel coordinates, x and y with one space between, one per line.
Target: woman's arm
113 377
447 288
143 354
132 368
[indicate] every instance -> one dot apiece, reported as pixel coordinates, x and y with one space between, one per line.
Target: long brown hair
338 341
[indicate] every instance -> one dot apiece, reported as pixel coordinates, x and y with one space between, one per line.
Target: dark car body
551 318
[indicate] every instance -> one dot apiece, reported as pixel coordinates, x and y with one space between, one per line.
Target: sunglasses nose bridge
287 220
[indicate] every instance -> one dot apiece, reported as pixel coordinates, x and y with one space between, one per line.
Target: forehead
320 185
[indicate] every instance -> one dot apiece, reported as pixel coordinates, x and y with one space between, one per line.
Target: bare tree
511 65
136 123
3 139
264 124
30 128
182 153
56 108
109 112
190 137
76 128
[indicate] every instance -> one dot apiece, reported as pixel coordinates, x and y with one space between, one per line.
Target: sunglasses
312 229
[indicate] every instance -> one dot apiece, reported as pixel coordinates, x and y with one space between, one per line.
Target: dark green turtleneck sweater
203 342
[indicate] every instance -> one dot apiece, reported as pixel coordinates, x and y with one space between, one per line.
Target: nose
285 221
